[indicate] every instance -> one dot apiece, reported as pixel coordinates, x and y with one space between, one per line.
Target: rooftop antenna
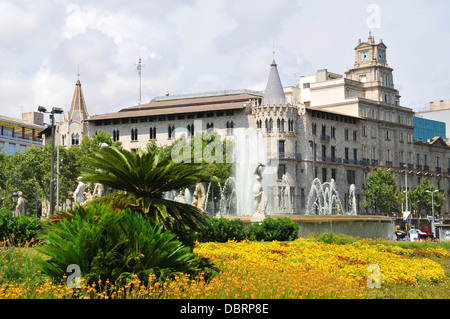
139 68
273 46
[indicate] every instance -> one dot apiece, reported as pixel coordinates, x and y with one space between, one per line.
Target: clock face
380 56
365 56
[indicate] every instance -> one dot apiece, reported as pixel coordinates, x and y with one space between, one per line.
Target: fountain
251 191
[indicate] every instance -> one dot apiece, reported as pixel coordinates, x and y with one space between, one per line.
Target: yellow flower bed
304 268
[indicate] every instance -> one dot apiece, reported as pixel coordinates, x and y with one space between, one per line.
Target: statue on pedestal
21 205
260 199
78 195
199 196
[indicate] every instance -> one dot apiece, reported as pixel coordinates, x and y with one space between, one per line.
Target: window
355 154
388 135
437 161
333 151
281 171
63 140
115 135
171 132
2 149
346 153
346 134
425 160
259 124
12 149
324 151
333 173
314 128
324 174
22 148
152 132
306 85
355 135
291 125
281 147
230 127
418 159
269 125
350 177
190 129
134 134
210 127
333 132
75 139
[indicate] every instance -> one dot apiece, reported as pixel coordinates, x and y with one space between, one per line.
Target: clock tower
372 70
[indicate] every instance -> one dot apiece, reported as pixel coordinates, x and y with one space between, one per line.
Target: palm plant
107 245
140 180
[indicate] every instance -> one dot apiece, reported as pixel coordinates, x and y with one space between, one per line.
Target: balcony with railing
352 161
426 167
331 159
324 138
297 156
438 169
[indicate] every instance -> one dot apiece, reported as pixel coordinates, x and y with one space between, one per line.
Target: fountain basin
363 226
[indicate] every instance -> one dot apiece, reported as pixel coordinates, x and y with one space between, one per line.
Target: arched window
282 125
190 129
171 132
134 134
153 133
75 139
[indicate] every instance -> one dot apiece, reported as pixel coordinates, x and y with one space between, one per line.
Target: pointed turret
274 94
78 111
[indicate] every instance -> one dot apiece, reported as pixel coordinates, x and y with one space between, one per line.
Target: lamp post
432 210
55 110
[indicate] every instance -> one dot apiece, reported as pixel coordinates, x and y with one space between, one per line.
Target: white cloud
200 45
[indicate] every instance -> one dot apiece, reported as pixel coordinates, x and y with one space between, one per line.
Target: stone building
328 127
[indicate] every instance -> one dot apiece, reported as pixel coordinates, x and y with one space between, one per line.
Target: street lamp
55 110
432 210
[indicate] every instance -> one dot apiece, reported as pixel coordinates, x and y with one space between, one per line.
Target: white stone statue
21 205
78 195
99 189
199 196
260 199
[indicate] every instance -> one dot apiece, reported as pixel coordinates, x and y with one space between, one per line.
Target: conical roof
78 111
274 94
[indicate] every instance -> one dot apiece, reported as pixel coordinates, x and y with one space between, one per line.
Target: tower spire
78 111
274 94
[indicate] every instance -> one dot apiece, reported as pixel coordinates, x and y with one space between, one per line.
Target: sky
192 46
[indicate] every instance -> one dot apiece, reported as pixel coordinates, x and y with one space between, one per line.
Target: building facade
18 134
329 126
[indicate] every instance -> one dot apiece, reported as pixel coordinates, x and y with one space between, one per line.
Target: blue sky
190 46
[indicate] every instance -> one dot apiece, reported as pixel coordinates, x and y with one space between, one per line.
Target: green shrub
221 230
23 228
280 229
110 245
332 238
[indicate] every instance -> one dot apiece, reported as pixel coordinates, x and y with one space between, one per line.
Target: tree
143 177
420 199
381 194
